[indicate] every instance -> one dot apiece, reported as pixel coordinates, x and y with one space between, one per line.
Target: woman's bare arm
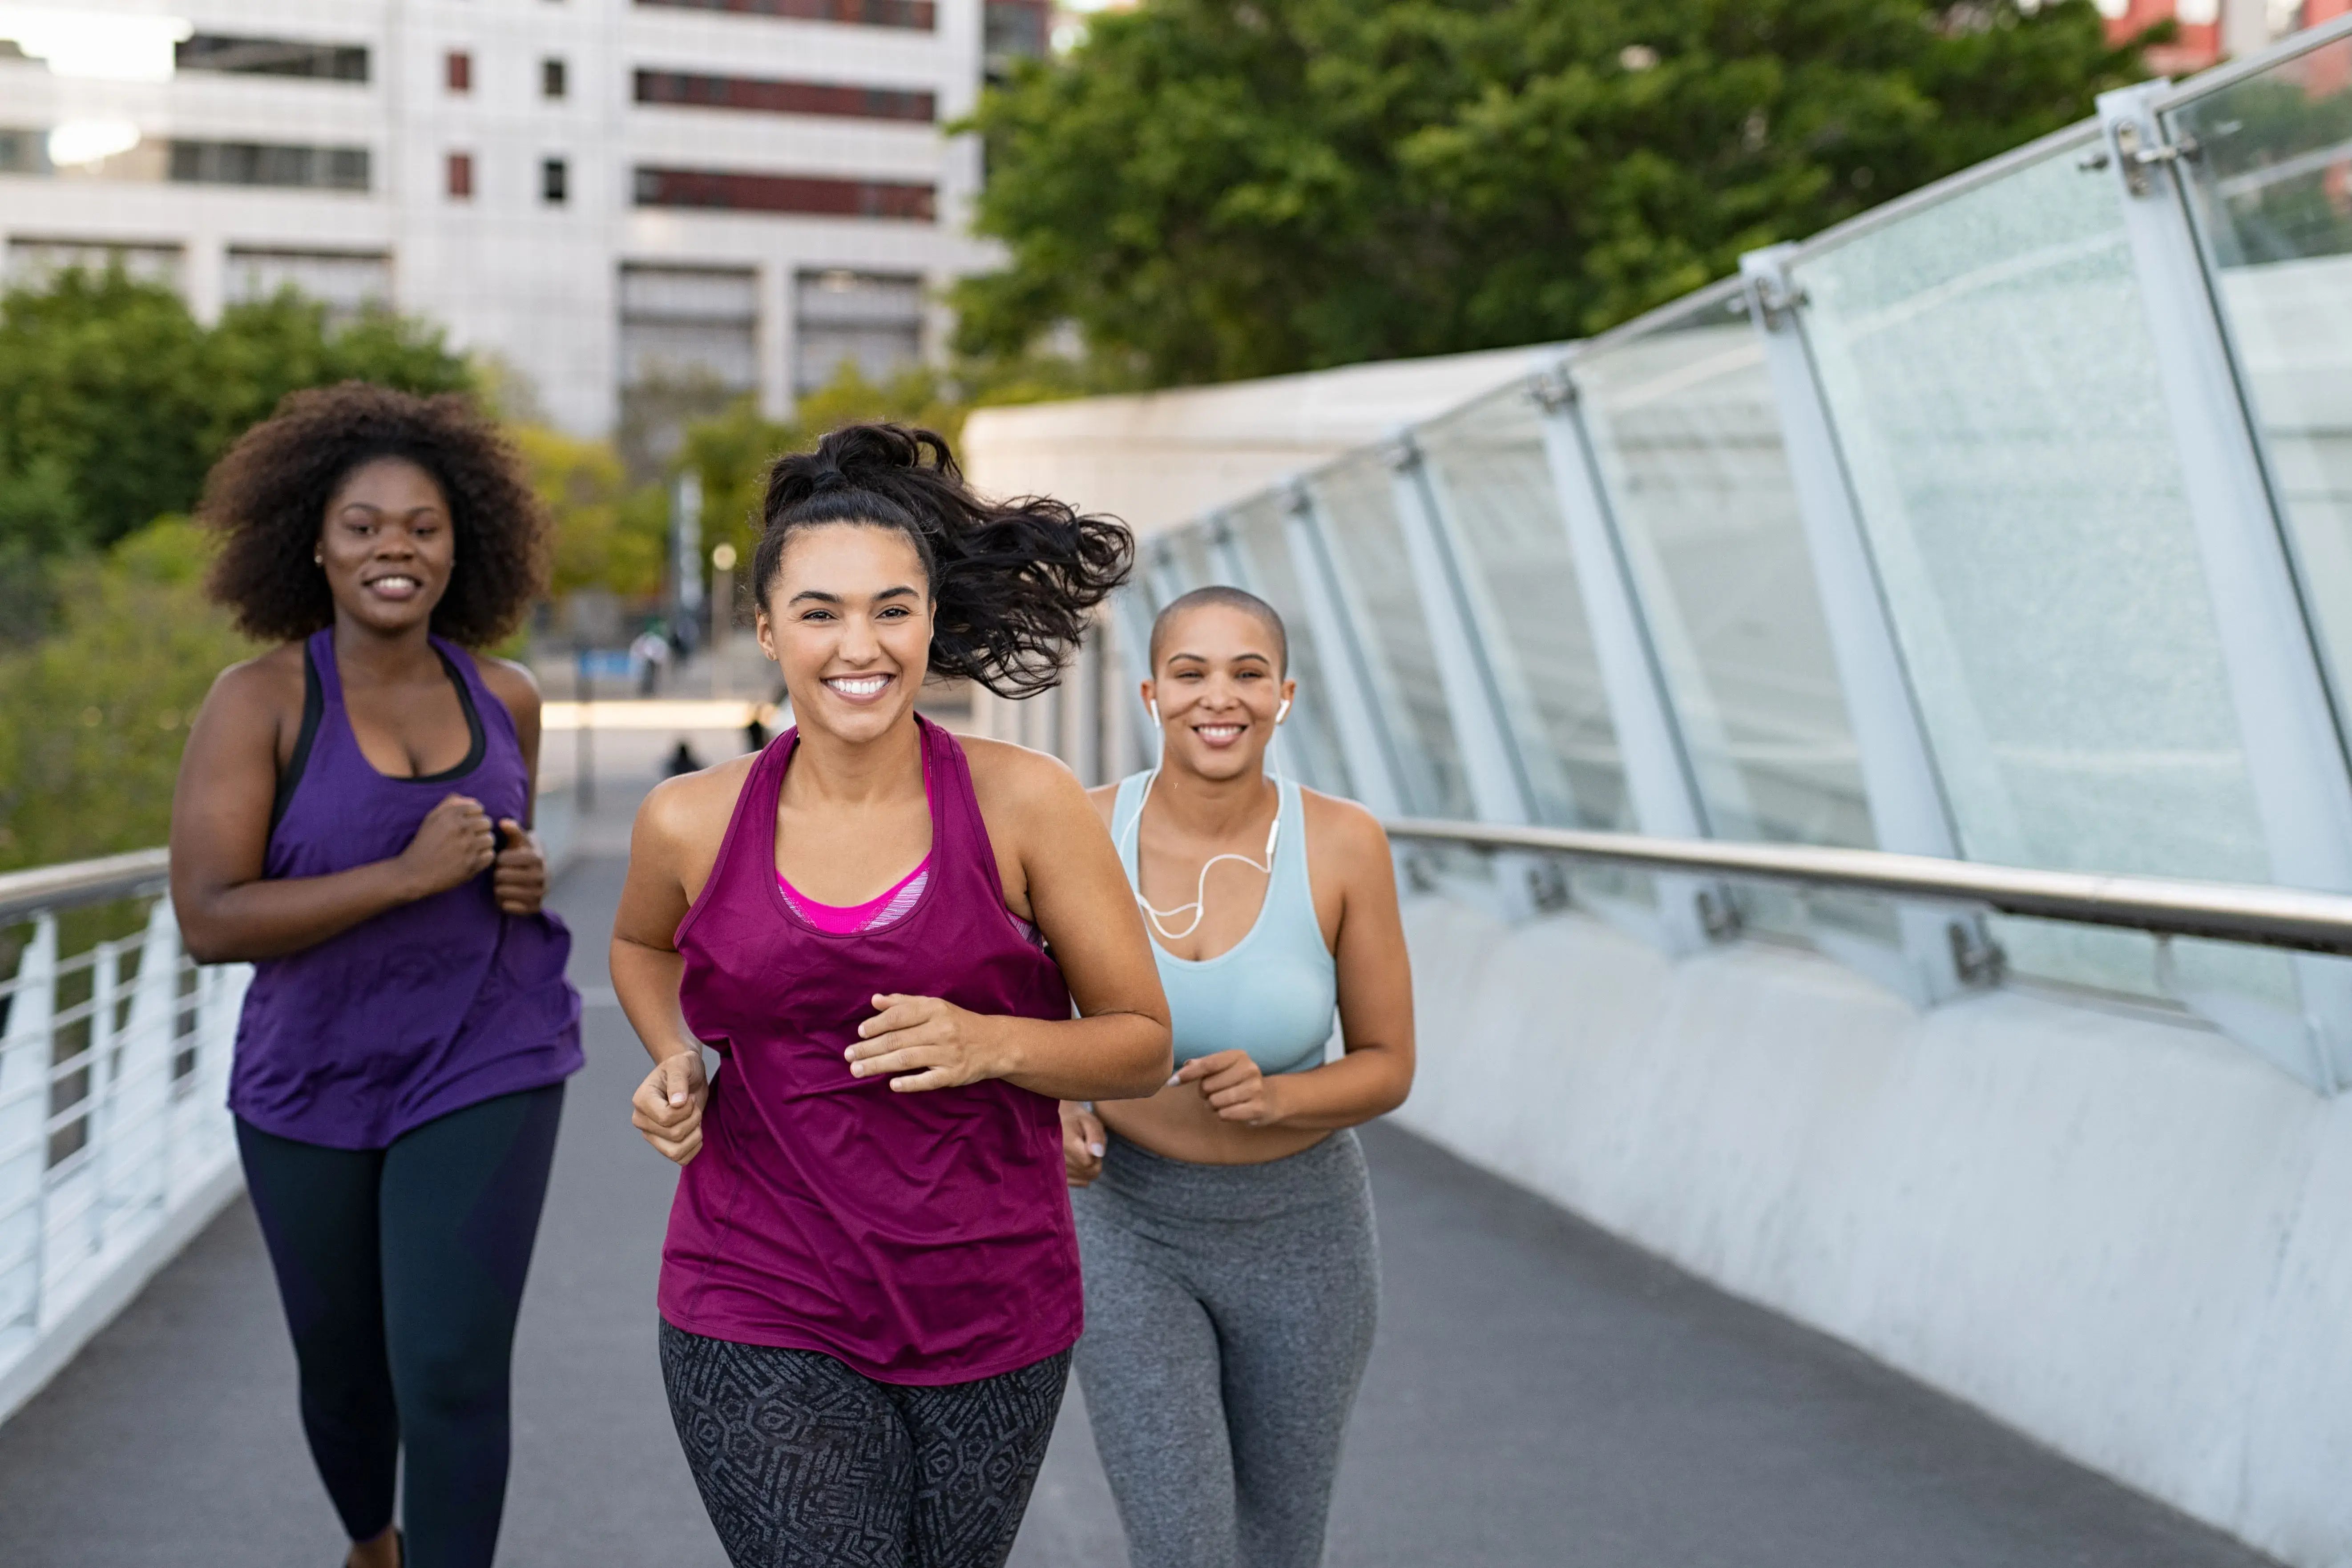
519 875
673 845
1119 1047
666 853
220 835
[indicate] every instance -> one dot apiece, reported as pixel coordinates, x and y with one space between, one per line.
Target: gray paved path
1541 1395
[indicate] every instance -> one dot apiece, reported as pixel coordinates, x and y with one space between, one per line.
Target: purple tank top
428 1007
918 1239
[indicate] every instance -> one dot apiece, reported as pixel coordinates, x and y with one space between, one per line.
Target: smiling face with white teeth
387 545
1218 686
848 621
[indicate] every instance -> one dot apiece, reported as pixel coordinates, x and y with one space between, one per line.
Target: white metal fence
115 1145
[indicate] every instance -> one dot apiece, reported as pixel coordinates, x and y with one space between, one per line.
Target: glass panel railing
1308 745
1492 484
1161 574
1987 361
1195 567
1684 431
2271 192
1356 499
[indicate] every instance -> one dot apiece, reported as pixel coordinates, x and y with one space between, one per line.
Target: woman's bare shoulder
257 691
1012 773
1025 797
1343 824
511 683
694 808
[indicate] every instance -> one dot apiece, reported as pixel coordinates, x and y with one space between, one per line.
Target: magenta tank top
918 1239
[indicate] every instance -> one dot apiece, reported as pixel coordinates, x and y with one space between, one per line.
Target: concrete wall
2115 1232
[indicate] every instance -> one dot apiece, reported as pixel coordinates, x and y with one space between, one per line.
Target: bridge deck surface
1541 1395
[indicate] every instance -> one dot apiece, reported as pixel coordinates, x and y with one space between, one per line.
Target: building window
461 176
552 178
457 71
271 57
1014 30
25 152
810 194
261 164
685 323
874 322
550 78
921 15
348 283
771 96
32 262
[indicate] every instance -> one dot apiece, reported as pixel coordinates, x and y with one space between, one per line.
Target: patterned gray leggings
802 1463
1229 1315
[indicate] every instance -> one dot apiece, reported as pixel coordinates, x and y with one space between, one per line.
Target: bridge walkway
1541 1395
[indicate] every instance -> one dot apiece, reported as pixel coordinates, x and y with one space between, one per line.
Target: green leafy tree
114 401
1208 189
607 534
92 718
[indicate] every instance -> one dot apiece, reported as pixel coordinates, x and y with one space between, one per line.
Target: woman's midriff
1177 1124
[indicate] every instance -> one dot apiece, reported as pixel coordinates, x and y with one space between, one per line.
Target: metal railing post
1944 952
1365 737
1491 764
1658 780
147 1061
2294 748
105 1080
27 1047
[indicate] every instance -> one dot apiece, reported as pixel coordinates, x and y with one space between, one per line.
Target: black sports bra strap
314 707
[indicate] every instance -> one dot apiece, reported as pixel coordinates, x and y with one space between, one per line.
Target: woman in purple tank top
870 1287
400 1063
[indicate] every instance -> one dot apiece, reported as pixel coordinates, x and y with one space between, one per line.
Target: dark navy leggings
400 1270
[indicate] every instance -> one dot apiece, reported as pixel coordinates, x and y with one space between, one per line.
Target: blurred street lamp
722 598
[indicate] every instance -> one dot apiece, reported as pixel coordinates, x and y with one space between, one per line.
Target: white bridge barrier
115 1147
2111 1229
116 1144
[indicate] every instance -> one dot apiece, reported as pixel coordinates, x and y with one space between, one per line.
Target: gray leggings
1229 1316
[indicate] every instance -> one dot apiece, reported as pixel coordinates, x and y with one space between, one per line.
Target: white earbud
1152 704
1280 712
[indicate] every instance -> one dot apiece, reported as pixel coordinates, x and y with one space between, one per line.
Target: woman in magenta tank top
903 947
353 818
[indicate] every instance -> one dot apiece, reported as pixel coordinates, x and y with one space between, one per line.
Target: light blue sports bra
1274 994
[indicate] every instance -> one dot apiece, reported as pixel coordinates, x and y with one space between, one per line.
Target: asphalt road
1541 1395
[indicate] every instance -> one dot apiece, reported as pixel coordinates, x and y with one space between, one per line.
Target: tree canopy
114 400
1208 189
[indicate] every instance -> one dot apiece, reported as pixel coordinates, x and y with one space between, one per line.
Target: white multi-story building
599 192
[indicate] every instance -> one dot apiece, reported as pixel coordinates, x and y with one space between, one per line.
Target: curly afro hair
267 500
1013 583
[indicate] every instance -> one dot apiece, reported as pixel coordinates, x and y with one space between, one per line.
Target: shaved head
1229 598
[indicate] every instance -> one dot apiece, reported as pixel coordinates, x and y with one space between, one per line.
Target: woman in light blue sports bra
1225 1224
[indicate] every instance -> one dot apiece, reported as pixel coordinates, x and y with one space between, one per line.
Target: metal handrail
2224 912
82 882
